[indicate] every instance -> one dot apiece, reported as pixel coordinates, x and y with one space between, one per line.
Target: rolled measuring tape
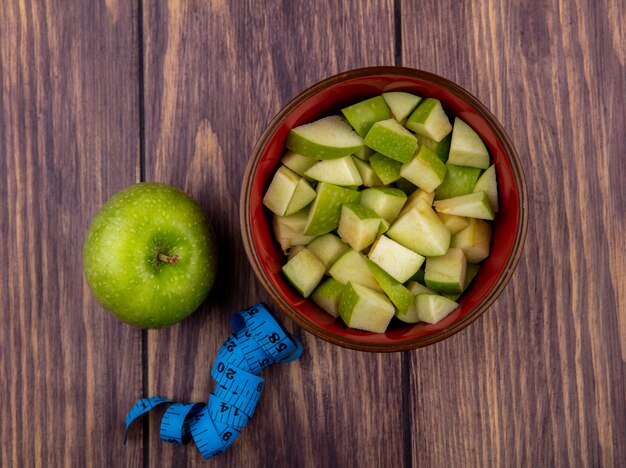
257 342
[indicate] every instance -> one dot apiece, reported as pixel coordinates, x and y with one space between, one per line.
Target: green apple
473 205
429 120
370 179
289 230
425 170
459 180
446 273
466 147
400 296
432 308
364 153
298 163
415 198
150 255
453 223
304 271
474 240
387 169
328 248
302 196
418 288
351 266
398 261
440 148
358 225
391 139
365 309
401 104
487 183
327 138
327 296
326 208
280 191
470 274
340 171
385 201
364 114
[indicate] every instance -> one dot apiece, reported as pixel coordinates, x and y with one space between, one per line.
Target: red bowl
328 97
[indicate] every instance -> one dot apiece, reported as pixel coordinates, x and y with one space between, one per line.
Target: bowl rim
409 344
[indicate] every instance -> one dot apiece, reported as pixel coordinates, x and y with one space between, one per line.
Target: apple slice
400 296
304 272
328 248
432 308
425 170
370 179
387 169
295 250
466 147
327 296
358 225
474 240
340 171
473 205
302 196
420 230
401 104
351 266
488 183
440 148
418 288
289 230
364 153
446 273
470 274
298 163
364 114
326 208
410 316
429 120
459 180
391 139
385 201
327 138
453 223
280 191
396 260
365 309
415 197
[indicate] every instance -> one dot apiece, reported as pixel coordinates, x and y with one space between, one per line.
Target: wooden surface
98 95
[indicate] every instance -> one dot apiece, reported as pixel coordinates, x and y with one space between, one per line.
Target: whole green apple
150 255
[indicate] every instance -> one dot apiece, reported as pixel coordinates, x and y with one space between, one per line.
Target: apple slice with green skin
396 260
400 296
150 255
289 230
410 316
391 139
327 138
302 196
401 104
304 271
453 223
340 171
446 273
473 205
327 296
432 308
470 274
280 191
370 179
328 248
385 201
429 120
488 183
415 197
351 266
466 147
326 208
365 309
474 240
298 163
387 169
459 180
420 230
364 114
418 288
425 170
358 225
365 153
440 148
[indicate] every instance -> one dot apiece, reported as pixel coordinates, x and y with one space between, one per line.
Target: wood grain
68 140
540 379
218 71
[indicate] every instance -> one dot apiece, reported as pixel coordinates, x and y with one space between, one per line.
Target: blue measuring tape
257 342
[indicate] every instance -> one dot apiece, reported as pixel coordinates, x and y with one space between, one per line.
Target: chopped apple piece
429 120
398 261
304 271
391 139
327 138
466 147
365 309
473 205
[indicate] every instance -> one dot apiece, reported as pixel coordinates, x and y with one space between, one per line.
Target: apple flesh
150 255
304 271
341 171
387 169
429 120
364 114
401 104
385 201
459 180
425 170
327 296
466 147
396 260
365 309
391 139
327 138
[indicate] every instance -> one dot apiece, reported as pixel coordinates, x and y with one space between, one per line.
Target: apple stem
167 259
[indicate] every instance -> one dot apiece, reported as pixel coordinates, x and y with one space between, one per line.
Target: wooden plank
68 140
216 72
540 379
